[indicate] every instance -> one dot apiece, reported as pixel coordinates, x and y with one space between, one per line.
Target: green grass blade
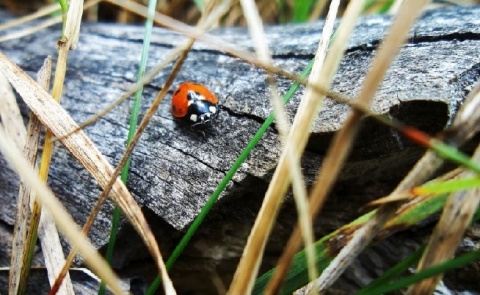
282 14
447 186
458 262
326 250
200 4
448 152
64 8
213 198
380 8
131 131
297 276
301 10
393 272
401 267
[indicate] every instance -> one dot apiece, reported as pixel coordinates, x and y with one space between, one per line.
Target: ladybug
194 102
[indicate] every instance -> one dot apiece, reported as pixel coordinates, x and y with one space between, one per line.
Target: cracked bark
175 168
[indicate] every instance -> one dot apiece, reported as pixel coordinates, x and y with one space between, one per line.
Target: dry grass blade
55 118
327 176
69 40
50 241
344 138
63 219
10 113
46 10
296 142
71 32
182 51
466 122
317 10
456 217
10 116
174 54
408 195
53 252
460 206
229 48
47 231
392 198
300 193
33 29
465 125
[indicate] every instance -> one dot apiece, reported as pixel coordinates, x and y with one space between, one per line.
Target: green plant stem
429 272
131 131
213 198
398 269
301 10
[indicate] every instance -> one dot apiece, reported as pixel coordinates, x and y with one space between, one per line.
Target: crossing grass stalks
294 143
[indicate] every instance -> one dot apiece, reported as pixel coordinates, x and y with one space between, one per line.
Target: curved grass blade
447 186
328 246
223 184
131 131
396 270
458 262
301 10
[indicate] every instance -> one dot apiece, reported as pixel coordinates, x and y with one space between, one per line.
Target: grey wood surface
175 168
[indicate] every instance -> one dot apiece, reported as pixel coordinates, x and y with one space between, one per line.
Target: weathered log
175 168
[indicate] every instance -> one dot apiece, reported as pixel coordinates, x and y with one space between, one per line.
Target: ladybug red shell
194 102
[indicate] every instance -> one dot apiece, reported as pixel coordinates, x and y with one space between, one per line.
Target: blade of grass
458 262
400 268
465 124
296 142
64 220
9 116
146 119
50 242
152 5
55 118
393 272
447 186
45 24
299 191
301 9
64 7
342 141
456 216
332 62
329 246
223 184
70 37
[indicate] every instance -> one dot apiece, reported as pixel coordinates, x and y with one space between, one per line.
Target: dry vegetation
59 123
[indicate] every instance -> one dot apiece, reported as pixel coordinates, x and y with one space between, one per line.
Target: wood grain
175 168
